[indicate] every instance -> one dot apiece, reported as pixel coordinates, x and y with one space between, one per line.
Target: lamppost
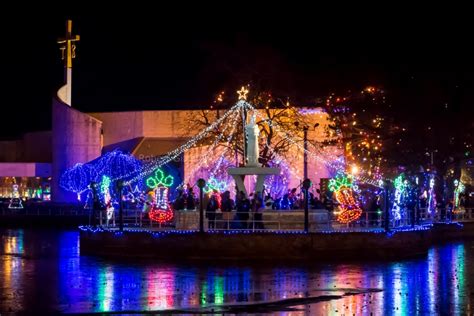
386 202
120 191
201 183
306 186
305 153
305 147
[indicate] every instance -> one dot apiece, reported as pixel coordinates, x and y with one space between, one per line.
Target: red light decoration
161 211
341 185
161 216
350 208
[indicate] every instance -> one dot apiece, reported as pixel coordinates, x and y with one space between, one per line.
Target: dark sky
156 58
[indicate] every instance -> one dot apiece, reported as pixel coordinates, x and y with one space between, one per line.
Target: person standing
211 210
190 200
227 205
257 207
243 209
179 203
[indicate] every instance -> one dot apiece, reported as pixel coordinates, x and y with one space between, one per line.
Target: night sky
166 59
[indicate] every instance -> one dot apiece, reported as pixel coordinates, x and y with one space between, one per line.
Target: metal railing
263 220
45 211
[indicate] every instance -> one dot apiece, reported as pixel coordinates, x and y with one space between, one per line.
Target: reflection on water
43 270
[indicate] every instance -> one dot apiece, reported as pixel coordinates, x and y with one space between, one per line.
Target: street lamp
120 185
305 147
201 183
306 186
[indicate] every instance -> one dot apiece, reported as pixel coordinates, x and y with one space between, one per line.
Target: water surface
43 271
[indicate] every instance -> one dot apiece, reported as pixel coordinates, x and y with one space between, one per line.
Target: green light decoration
214 184
159 179
399 183
339 181
104 184
458 189
219 290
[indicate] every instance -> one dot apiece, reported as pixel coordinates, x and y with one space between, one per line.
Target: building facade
37 161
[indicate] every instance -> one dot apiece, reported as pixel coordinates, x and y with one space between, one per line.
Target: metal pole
306 211
244 123
386 218
306 186
201 211
201 183
305 153
120 188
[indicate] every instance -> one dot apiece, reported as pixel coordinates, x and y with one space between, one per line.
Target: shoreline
267 246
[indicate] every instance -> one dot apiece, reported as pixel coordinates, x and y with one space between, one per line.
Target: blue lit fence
280 220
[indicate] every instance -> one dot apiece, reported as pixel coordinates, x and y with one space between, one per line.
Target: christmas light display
341 185
214 184
161 211
77 178
152 165
98 230
219 169
15 201
101 170
107 198
105 185
400 191
47 193
127 169
458 189
242 93
432 197
277 185
39 193
113 165
159 179
320 154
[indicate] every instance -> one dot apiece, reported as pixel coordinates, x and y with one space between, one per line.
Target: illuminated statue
252 133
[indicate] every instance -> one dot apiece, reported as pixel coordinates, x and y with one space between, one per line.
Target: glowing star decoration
342 185
242 93
432 197
161 211
214 184
15 202
401 186
458 189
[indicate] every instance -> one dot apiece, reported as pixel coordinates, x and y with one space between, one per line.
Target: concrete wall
11 150
37 146
25 169
33 147
76 139
120 126
166 123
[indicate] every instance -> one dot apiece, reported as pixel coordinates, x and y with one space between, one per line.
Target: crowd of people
223 212
221 208
245 212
